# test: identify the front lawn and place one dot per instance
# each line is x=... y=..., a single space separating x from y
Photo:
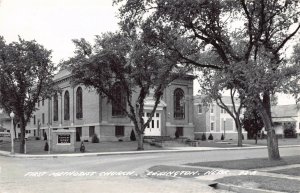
x=262 y=182
x=289 y=171
x=245 y=164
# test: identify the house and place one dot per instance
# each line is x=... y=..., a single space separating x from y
x=82 y=109
x=212 y=119
x=283 y=114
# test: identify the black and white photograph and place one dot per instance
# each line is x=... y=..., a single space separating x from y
x=149 y=96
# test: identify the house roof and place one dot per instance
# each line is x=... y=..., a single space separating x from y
x=285 y=111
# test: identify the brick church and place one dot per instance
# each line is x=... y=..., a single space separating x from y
x=84 y=110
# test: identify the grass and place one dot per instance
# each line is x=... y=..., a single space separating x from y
x=263 y=182
x=245 y=164
x=289 y=171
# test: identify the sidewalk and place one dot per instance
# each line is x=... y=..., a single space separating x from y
x=169 y=150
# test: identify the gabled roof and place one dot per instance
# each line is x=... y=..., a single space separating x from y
x=285 y=110
x=63 y=73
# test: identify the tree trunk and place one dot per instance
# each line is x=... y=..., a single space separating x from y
x=272 y=141
x=239 y=130
x=140 y=142
x=22 y=139
x=273 y=150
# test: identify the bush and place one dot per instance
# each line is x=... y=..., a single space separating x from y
x=37 y=138
x=203 y=138
x=222 y=137
x=120 y=140
x=243 y=137
x=210 y=137
x=289 y=130
x=132 y=136
x=46 y=147
x=95 y=139
x=86 y=140
x=82 y=147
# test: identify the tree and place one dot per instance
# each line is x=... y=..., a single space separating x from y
x=247 y=36
x=252 y=123
x=25 y=77
x=213 y=84
x=124 y=60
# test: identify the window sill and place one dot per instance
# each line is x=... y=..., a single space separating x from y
x=118 y=116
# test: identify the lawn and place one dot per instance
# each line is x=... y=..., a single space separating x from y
x=289 y=171
x=247 y=164
x=263 y=182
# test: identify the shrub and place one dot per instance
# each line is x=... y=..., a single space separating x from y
x=132 y=136
x=222 y=137
x=203 y=138
x=45 y=136
x=243 y=137
x=37 y=138
x=95 y=139
x=289 y=130
x=210 y=137
x=120 y=140
x=46 y=147
x=86 y=140
x=82 y=147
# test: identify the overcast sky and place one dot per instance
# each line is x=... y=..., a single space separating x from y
x=54 y=23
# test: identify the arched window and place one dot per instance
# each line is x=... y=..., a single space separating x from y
x=67 y=106
x=55 y=107
x=79 y=103
x=178 y=104
x=120 y=100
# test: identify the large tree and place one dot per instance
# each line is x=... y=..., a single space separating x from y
x=213 y=85
x=249 y=38
x=123 y=58
x=25 y=78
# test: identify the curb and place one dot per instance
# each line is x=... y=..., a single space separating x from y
x=235 y=188
x=17 y=155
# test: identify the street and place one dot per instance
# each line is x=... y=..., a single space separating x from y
x=104 y=173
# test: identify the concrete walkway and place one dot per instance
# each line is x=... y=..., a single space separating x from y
x=170 y=150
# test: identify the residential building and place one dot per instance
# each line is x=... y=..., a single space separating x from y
x=212 y=119
x=282 y=114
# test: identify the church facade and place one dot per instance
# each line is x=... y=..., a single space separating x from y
x=82 y=109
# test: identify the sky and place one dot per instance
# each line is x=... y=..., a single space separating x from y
x=54 y=23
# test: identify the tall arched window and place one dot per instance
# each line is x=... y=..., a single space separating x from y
x=178 y=104
x=55 y=107
x=120 y=100
x=67 y=106
x=79 y=103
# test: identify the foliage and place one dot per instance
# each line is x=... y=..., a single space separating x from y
x=26 y=73
x=37 y=138
x=82 y=147
x=132 y=136
x=203 y=137
x=95 y=139
x=46 y=147
x=289 y=130
x=125 y=59
x=252 y=122
x=210 y=137
x=222 y=137
x=244 y=39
